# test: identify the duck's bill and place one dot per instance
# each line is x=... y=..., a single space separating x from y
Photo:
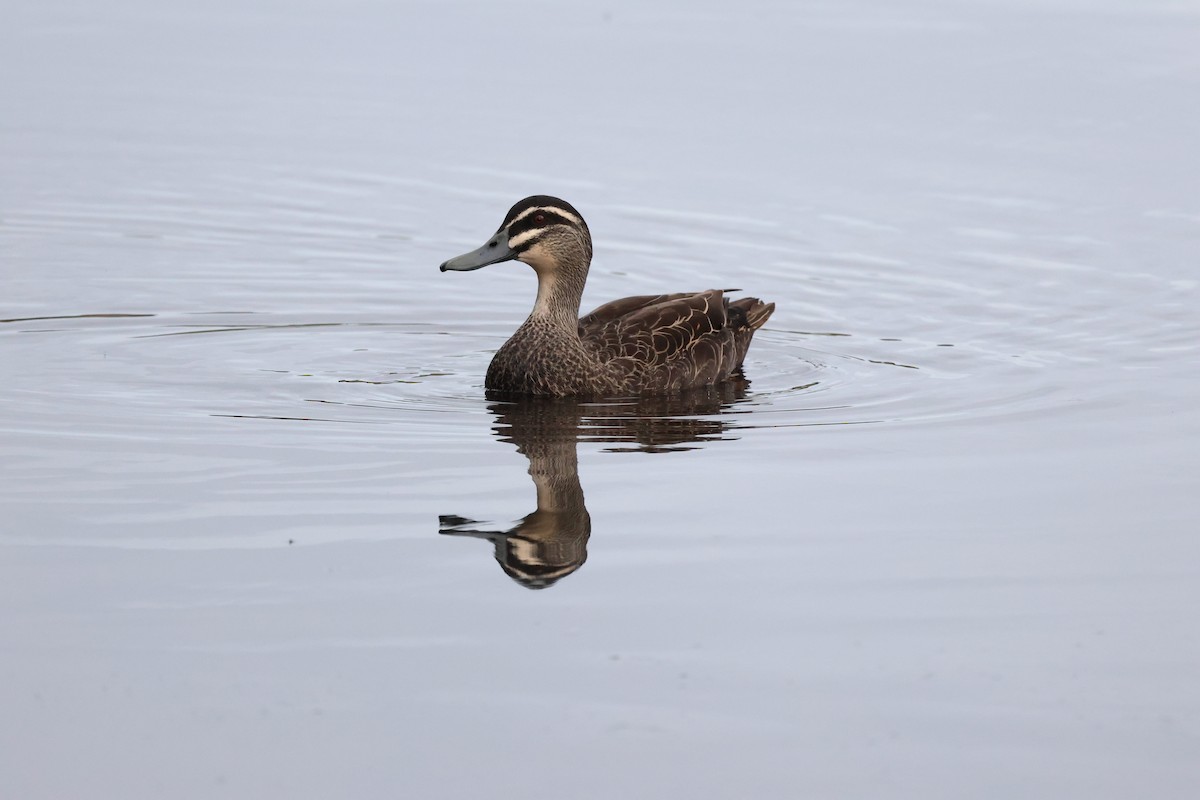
x=495 y=251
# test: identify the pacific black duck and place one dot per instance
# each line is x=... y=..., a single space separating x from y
x=646 y=344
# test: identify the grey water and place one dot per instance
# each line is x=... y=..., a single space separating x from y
x=263 y=533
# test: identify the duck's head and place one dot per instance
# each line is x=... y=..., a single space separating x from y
x=544 y=232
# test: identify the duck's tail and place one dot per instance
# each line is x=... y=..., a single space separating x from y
x=746 y=316
x=754 y=311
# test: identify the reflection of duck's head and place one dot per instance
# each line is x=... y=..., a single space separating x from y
x=551 y=542
x=542 y=548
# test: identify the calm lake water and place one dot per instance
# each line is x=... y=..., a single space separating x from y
x=262 y=534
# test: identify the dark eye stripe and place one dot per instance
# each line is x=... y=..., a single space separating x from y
x=531 y=222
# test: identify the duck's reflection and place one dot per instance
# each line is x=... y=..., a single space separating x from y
x=551 y=542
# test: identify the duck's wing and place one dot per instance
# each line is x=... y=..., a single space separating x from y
x=617 y=309
x=654 y=330
x=675 y=341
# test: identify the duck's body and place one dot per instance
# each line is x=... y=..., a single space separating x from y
x=646 y=344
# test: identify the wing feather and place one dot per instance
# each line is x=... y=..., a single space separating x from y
x=661 y=342
x=654 y=329
x=616 y=309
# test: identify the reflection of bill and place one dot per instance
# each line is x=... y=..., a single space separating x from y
x=551 y=542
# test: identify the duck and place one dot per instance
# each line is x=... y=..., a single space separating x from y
x=648 y=344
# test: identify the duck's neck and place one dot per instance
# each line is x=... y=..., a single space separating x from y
x=560 y=289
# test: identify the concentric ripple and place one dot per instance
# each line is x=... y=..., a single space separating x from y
x=264 y=368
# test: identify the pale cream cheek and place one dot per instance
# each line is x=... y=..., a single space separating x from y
x=521 y=238
x=538 y=258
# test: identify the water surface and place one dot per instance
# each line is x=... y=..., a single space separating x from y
x=263 y=533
